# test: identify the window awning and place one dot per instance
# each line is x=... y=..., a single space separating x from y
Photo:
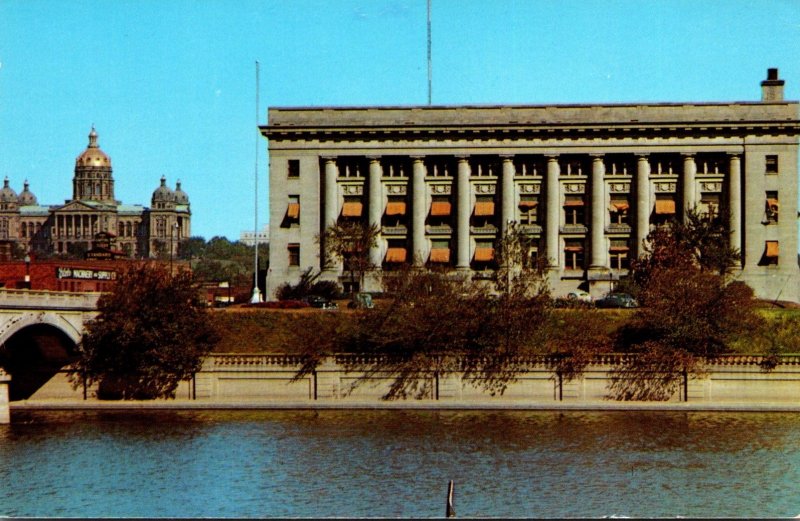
x=484 y=208
x=665 y=207
x=396 y=208
x=574 y=202
x=352 y=209
x=619 y=206
x=396 y=255
x=440 y=255
x=528 y=204
x=772 y=249
x=774 y=205
x=440 y=208
x=484 y=254
x=573 y=248
x=618 y=249
x=293 y=211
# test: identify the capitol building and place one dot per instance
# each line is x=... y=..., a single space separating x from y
x=93 y=220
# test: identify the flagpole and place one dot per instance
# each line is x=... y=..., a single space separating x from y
x=256 y=298
x=430 y=71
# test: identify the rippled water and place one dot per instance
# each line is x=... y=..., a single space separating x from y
x=397 y=464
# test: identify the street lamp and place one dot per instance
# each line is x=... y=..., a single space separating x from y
x=27 y=271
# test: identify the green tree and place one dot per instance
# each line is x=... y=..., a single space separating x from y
x=151 y=332
x=349 y=242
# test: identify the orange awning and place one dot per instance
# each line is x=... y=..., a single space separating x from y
x=484 y=254
x=484 y=208
x=293 y=211
x=528 y=204
x=665 y=207
x=440 y=255
x=396 y=255
x=618 y=249
x=619 y=206
x=574 y=248
x=772 y=249
x=352 y=209
x=396 y=208
x=773 y=204
x=573 y=202
x=440 y=208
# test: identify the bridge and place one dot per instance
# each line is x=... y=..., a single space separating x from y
x=39 y=334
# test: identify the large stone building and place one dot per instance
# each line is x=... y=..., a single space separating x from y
x=93 y=216
x=587 y=182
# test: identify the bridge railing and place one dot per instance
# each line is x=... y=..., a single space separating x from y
x=37 y=299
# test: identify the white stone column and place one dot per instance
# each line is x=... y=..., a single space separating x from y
x=598 y=213
x=689 y=173
x=5 y=411
x=330 y=205
x=507 y=194
x=735 y=203
x=419 y=210
x=553 y=211
x=642 y=203
x=375 y=206
x=463 y=209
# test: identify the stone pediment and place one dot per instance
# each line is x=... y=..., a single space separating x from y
x=83 y=207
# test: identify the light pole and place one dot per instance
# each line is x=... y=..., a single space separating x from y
x=27 y=271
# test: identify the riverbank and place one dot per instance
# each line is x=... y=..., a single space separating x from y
x=518 y=405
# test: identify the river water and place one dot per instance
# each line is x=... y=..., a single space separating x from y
x=397 y=463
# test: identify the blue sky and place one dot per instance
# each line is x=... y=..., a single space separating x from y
x=170 y=84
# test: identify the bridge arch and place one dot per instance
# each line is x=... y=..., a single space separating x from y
x=34 y=347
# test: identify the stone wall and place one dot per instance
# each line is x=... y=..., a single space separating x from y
x=254 y=379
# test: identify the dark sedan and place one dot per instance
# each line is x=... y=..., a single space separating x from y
x=617 y=300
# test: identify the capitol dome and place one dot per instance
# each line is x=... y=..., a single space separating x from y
x=163 y=194
x=180 y=196
x=7 y=194
x=93 y=156
x=26 y=197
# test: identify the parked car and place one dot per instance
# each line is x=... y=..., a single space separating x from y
x=617 y=300
x=361 y=301
x=316 y=301
x=579 y=295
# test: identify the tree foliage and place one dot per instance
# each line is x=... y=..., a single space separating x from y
x=692 y=310
x=349 y=242
x=308 y=285
x=151 y=332
x=222 y=260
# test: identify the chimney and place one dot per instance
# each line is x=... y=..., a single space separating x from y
x=772 y=87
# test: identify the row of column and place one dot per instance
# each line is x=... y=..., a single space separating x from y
x=68 y=225
x=597 y=196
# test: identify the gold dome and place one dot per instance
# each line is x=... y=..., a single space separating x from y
x=93 y=156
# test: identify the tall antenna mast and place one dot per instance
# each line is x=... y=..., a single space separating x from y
x=256 y=292
x=430 y=73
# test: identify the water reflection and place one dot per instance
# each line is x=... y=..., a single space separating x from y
x=397 y=463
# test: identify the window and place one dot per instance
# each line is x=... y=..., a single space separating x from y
x=770 y=257
x=618 y=210
x=617 y=165
x=574 y=211
x=294 y=168
x=665 y=209
x=440 y=251
x=618 y=254
x=292 y=217
x=573 y=167
x=352 y=207
x=395 y=212
x=528 y=209
x=352 y=167
x=573 y=254
x=484 y=252
x=483 y=212
x=709 y=205
x=294 y=254
x=396 y=253
x=772 y=208
x=772 y=165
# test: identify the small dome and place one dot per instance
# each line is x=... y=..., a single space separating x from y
x=7 y=194
x=26 y=197
x=180 y=195
x=93 y=156
x=163 y=194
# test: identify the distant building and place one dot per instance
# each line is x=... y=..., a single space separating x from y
x=250 y=238
x=586 y=182
x=93 y=219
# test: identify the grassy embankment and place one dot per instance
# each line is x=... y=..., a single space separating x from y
x=264 y=330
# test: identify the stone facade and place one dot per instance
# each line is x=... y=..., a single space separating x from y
x=137 y=231
x=588 y=182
